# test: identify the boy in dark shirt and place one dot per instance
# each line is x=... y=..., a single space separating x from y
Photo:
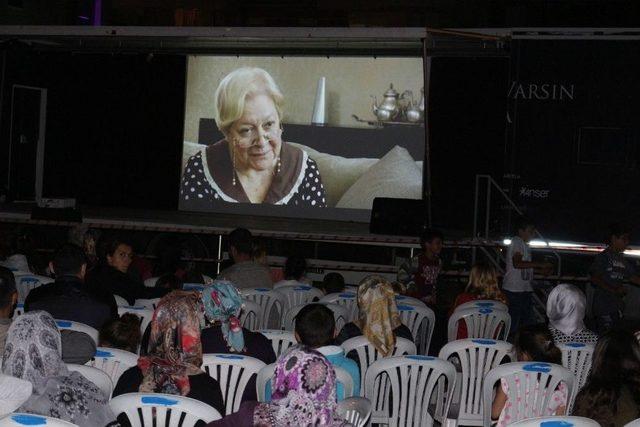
x=420 y=274
x=609 y=271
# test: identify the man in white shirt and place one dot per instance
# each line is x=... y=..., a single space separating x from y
x=519 y=274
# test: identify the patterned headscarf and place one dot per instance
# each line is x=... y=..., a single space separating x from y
x=33 y=352
x=222 y=303
x=566 y=308
x=175 y=349
x=304 y=392
x=378 y=313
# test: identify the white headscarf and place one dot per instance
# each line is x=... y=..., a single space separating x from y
x=566 y=307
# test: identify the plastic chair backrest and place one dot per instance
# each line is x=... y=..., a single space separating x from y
x=96 y=376
x=477 y=357
x=149 y=304
x=634 y=423
x=536 y=380
x=564 y=421
x=347 y=299
x=367 y=353
x=80 y=327
x=577 y=358
x=421 y=321
x=400 y=389
x=280 y=340
x=266 y=373
x=151 y=282
x=481 y=323
x=484 y=303
x=20 y=419
x=166 y=410
x=340 y=314
x=355 y=410
x=18 y=310
x=233 y=372
x=407 y=300
x=299 y=295
x=25 y=282
x=120 y=301
x=143 y=313
x=251 y=315
x=271 y=303
x=113 y=361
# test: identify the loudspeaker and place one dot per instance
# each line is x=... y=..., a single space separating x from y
x=400 y=217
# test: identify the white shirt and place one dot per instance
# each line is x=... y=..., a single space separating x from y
x=518 y=280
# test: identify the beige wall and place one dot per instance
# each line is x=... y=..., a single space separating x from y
x=350 y=81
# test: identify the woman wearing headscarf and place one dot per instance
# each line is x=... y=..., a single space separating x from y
x=33 y=352
x=378 y=317
x=222 y=308
x=566 y=307
x=304 y=394
x=172 y=364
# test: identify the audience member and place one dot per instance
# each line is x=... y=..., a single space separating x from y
x=483 y=284
x=57 y=392
x=304 y=394
x=168 y=254
x=222 y=306
x=8 y=301
x=519 y=274
x=111 y=275
x=420 y=274
x=173 y=362
x=608 y=273
x=86 y=238
x=534 y=343
x=259 y=255
x=611 y=395
x=169 y=281
x=122 y=333
x=22 y=255
x=68 y=297
x=566 y=308
x=13 y=393
x=378 y=317
x=315 y=327
x=294 y=270
x=332 y=283
x=245 y=272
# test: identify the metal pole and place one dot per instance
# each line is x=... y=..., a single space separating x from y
x=219 y=262
x=475 y=219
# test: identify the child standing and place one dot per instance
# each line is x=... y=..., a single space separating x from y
x=420 y=274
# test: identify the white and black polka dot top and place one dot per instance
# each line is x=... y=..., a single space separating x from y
x=208 y=175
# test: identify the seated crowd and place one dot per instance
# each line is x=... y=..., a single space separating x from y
x=36 y=376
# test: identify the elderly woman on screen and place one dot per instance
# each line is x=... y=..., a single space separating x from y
x=252 y=164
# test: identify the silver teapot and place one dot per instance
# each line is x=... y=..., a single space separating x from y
x=388 y=109
x=412 y=111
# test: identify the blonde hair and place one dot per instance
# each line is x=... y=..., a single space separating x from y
x=236 y=87
x=483 y=281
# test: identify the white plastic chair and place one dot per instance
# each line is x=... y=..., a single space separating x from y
x=481 y=323
x=476 y=358
x=80 y=327
x=484 y=303
x=120 y=301
x=634 y=423
x=355 y=410
x=407 y=300
x=113 y=361
x=233 y=372
x=199 y=287
x=144 y=314
x=400 y=389
x=367 y=353
x=271 y=303
x=280 y=340
x=266 y=373
x=577 y=358
x=25 y=282
x=564 y=421
x=149 y=304
x=251 y=315
x=159 y=409
x=536 y=380
x=96 y=376
x=18 y=310
x=421 y=321
x=299 y=295
x=340 y=314
x=20 y=419
x=151 y=282
x=347 y=299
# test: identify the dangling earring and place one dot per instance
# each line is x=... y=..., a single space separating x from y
x=233 y=162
